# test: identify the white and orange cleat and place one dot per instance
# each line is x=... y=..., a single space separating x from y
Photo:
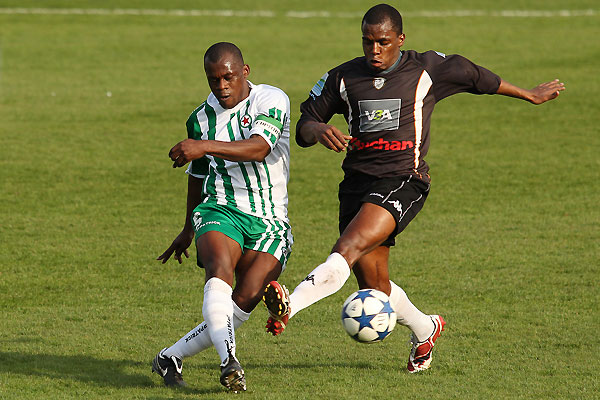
x=420 y=354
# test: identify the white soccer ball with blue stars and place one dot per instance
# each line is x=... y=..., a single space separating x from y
x=367 y=316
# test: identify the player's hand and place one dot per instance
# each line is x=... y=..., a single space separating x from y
x=331 y=137
x=546 y=91
x=179 y=247
x=186 y=151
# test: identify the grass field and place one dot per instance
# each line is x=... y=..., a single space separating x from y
x=506 y=248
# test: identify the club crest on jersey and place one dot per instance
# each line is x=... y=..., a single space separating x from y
x=378 y=82
x=246 y=121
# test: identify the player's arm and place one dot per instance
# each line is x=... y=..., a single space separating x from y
x=538 y=95
x=310 y=132
x=185 y=238
x=254 y=148
x=323 y=102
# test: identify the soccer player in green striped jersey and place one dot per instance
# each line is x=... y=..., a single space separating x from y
x=238 y=149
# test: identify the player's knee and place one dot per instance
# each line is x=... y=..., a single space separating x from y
x=218 y=269
x=244 y=300
x=349 y=248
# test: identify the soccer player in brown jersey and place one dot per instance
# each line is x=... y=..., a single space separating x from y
x=387 y=98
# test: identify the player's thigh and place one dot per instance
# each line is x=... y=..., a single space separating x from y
x=218 y=254
x=253 y=272
x=372 y=272
x=367 y=230
x=219 y=240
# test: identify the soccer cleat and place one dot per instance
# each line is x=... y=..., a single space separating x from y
x=169 y=368
x=420 y=354
x=232 y=375
x=277 y=300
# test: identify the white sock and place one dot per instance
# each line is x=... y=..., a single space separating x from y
x=409 y=315
x=217 y=310
x=198 y=339
x=323 y=281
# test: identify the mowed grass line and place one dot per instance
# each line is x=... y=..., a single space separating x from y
x=506 y=247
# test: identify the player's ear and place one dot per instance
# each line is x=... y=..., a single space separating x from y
x=401 y=38
x=246 y=70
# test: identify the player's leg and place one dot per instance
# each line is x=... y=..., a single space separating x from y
x=372 y=272
x=368 y=229
x=219 y=254
x=198 y=339
x=252 y=274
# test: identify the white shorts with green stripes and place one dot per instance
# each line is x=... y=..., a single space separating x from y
x=271 y=236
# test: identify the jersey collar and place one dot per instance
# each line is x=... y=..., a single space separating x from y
x=394 y=66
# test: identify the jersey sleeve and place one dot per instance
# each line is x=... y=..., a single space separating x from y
x=272 y=115
x=323 y=102
x=455 y=74
x=197 y=168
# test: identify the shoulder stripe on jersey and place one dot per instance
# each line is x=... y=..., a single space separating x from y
x=422 y=89
x=197 y=167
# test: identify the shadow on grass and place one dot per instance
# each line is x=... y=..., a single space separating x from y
x=86 y=369
x=118 y=373
x=77 y=367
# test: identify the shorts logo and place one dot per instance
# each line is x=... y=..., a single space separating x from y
x=208 y=223
x=246 y=121
x=396 y=205
x=379 y=115
x=197 y=220
x=378 y=82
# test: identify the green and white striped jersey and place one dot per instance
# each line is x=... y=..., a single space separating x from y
x=255 y=188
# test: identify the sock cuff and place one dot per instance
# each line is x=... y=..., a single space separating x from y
x=218 y=285
x=337 y=260
x=239 y=313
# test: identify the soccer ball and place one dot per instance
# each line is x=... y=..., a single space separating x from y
x=367 y=316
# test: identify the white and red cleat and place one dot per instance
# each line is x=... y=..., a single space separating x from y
x=420 y=354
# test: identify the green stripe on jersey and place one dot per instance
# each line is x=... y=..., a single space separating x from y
x=241 y=165
x=221 y=169
x=260 y=188
x=270 y=187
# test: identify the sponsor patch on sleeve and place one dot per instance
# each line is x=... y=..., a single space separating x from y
x=318 y=88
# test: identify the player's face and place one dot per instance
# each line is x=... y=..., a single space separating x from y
x=227 y=80
x=381 y=45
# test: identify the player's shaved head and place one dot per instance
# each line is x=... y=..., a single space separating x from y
x=381 y=13
x=218 y=51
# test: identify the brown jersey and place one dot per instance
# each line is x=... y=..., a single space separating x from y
x=389 y=113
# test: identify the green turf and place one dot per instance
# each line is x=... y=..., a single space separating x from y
x=506 y=247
